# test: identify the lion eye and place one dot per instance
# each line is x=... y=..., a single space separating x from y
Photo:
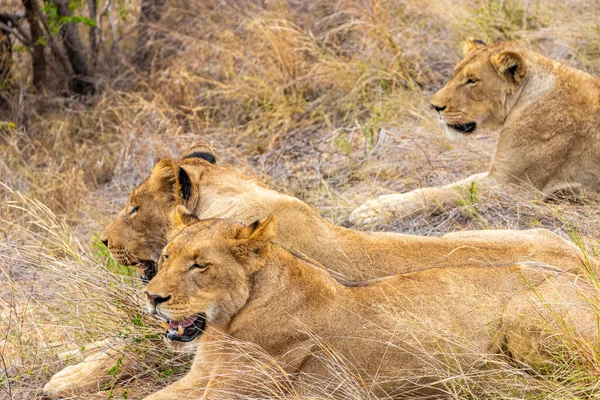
x=133 y=210
x=471 y=81
x=201 y=267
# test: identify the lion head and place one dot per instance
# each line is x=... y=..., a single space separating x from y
x=139 y=232
x=205 y=272
x=483 y=86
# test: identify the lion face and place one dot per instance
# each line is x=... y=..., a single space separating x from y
x=205 y=274
x=482 y=88
x=139 y=232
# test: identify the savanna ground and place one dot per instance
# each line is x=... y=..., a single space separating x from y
x=324 y=100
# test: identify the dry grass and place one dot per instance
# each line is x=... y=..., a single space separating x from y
x=325 y=100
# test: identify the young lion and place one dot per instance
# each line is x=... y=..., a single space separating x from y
x=549 y=120
x=240 y=287
x=138 y=233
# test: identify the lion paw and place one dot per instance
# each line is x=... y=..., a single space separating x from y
x=385 y=208
x=89 y=376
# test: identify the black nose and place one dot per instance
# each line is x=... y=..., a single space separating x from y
x=438 y=108
x=156 y=300
x=105 y=242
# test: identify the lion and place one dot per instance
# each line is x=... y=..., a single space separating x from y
x=139 y=232
x=548 y=117
x=236 y=285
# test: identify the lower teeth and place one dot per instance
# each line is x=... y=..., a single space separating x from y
x=180 y=330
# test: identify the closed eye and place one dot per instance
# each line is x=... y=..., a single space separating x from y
x=200 y=267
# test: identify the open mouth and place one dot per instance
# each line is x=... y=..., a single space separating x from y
x=464 y=128
x=147 y=270
x=186 y=330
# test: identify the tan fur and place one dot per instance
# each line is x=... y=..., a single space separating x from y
x=548 y=116
x=221 y=192
x=91 y=374
x=388 y=332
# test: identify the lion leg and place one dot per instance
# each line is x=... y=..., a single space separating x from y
x=562 y=190
x=551 y=323
x=424 y=200
x=90 y=375
x=192 y=386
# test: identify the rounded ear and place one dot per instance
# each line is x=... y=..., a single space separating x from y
x=162 y=178
x=171 y=179
x=182 y=217
x=511 y=65
x=472 y=45
x=256 y=236
x=204 y=155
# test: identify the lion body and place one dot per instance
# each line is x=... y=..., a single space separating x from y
x=393 y=335
x=548 y=117
x=221 y=192
x=550 y=138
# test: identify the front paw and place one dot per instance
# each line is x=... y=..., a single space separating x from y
x=385 y=209
x=89 y=376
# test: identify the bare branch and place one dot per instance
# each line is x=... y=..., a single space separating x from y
x=82 y=81
x=15 y=27
x=55 y=48
x=25 y=40
x=38 y=58
x=92 y=8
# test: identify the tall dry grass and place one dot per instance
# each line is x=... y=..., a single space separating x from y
x=62 y=297
x=325 y=100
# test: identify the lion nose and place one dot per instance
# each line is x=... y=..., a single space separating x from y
x=438 y=108
x=156 y=300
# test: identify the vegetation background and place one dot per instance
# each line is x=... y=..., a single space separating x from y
x=326 y=100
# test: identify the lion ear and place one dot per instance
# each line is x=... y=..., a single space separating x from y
x=203 y=155
x=183 y=185
x=256 y=236
x=167 y=177
x=472 y=45
x=511 y=65
x=162 y=178
x=182 y=217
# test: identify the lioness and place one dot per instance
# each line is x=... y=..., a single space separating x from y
x=139 y=232
x=234 y=280
x=549 y=120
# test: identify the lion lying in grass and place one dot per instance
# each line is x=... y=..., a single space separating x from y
x=239 y=286
x=549 y=120
x=139 y=232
